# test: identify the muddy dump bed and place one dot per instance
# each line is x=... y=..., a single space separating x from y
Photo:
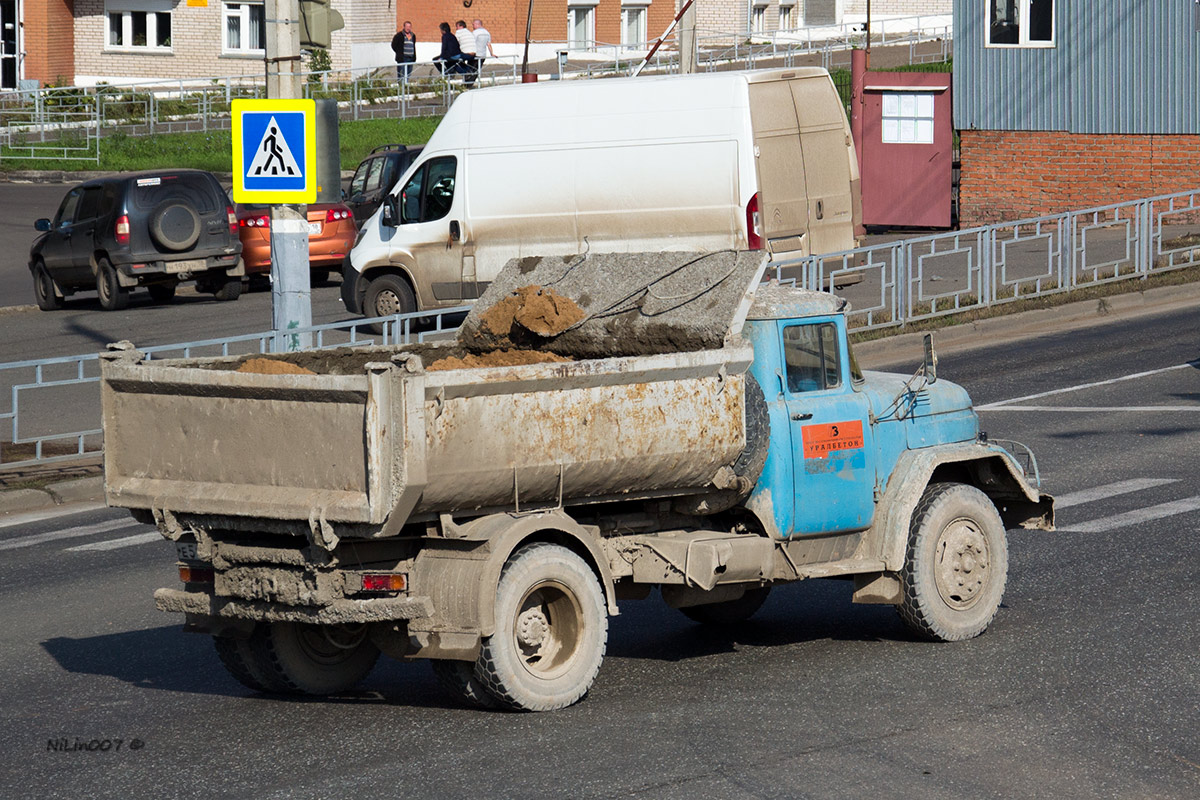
x=382 y=436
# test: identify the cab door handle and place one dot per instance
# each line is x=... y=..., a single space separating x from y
x=799 y=415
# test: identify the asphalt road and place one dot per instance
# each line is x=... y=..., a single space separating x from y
x=1084 y=687
x=20 y=205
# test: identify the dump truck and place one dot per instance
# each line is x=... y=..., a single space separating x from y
x=601 y=427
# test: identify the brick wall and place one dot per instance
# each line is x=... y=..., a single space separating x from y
x=910 y=8
x=505 y=19
x=49 y=41
x=1009 y=175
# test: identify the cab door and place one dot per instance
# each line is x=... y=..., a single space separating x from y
x=430 y=235
x=832 y=452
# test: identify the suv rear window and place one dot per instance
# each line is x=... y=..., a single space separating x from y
x=148 y=192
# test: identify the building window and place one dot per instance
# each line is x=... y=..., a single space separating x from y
x=581 y=26
x=758 y=19
x=1020 y=23
x=139 y=25
x=633 y=25
x=244 y=28
x=787 y=17
x=907 y=118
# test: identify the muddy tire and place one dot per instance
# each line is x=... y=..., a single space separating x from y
x=729 y=612
x=956 y=566
x=113 y=296
x=298 y=658
x=458 y=679
x=387 y=295
x=44 y=289
x=551 y=631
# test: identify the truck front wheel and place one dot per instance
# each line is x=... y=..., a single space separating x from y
x=551 y=630
x=957 y=564
x=298 y=658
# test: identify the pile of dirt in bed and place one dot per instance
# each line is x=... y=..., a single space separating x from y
x=496 y=358
x=273 y=366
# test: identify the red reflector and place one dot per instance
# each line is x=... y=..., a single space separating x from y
x=233 y=220
x=195 y=575
x=753 y=225
x=386 y=582
x=122 y=229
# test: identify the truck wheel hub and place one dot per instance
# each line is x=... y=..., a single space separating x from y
x=532 y=628
x=961 y=564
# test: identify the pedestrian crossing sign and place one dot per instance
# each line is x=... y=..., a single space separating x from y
x=274 y=151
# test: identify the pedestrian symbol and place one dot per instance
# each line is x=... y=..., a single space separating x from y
x=274 y=152
x=273 y=156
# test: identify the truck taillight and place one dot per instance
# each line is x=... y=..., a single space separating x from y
x=335 y=214
x=195 y=574
x=233 y=220
x=385 y=582
x=753 y=224
x=122 y=231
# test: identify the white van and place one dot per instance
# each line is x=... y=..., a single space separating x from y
x=715 y=161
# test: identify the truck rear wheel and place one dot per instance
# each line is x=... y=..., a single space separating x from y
x=957 y=564
x=242 y=662
x=312 y=659
x=551 y=630
x=458 y=678
x=729 y=612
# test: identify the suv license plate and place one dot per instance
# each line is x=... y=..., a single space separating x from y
x=189 y=265
x=314 y=229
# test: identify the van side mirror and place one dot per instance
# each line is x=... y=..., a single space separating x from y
x=42 y=224
x=929 y=367
x=390 y=211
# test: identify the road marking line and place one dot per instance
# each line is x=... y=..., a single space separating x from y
x=1109 y=490
x=67 y=533
x=1136 y=516
x=1088 y=408
x=991 y=406
x=113 y=544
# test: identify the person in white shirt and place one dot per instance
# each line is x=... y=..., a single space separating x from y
x=466 y=43
x=483 y=44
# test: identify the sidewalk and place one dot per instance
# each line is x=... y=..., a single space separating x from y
x=61 y=484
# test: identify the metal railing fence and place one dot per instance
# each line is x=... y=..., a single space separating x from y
x=889 y=285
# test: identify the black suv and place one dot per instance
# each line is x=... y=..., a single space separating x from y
x=376 y=176
x=151 y=229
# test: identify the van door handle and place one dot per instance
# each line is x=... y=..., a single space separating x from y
x=455 y=231
x=799 y=415
x=820 y=210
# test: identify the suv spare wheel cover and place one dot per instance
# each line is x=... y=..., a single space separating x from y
x=175 y=225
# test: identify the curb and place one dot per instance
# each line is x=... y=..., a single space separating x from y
x=17 y=500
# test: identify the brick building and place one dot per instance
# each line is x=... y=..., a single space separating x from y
x=1065 y=105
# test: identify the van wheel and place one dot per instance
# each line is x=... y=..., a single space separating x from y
x=230 y=289
x=113 y=296
x=551 y=630
x=299 y=658
x=161 y=292
x=458 y=679
x=387 y=295
x=957 y=564
x=729 y=612
x=44 y=289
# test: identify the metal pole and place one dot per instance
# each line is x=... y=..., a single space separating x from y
x=291 y=290
x=528 y=31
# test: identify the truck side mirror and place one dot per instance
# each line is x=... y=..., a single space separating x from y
x=391 y=213
x=929 y=368
x=42 y=224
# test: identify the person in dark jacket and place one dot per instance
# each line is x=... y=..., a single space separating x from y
x=404 y=45
x=450 y=60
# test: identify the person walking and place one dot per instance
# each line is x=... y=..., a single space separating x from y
x=483 y=44
x=404 y=45
x=466 y=43
x=450 y=59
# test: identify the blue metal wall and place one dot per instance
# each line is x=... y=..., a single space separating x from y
x=1118 y=66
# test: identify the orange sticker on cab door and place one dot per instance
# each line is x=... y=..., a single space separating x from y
x=821 y=440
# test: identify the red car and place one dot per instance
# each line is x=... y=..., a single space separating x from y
x=331 y=234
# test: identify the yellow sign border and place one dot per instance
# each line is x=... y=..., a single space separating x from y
x=258 y=106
